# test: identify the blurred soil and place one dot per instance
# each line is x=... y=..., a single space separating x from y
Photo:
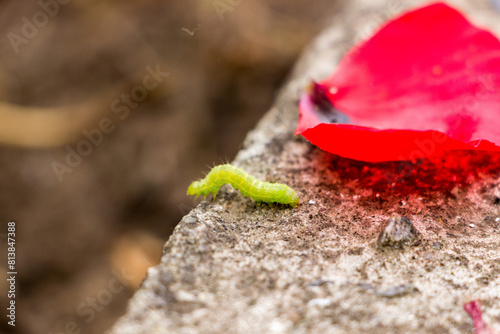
x=85 y=242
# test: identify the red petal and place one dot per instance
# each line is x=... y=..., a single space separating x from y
x=474 y=310
x=427 y=82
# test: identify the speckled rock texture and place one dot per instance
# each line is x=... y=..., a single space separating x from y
x=232 y=266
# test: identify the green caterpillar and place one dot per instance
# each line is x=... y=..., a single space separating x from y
x=259 y=191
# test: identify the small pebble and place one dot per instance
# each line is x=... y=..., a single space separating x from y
x=398 y=232
x=397 y=291
x=319 y=282
x=497 y=219
x=190 y=220
x=311 y=202
x=218 y=208
x=321 y=302
x=472 y=225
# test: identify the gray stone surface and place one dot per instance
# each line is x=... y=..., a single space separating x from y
x=234 y=267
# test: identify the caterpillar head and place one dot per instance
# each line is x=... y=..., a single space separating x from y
x=194 y=188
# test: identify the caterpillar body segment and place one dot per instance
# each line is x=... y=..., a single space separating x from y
x=259 y=191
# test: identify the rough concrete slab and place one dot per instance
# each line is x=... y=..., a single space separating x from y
x=232 y=266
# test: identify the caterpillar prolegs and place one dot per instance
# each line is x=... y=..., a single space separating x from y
x=249 y=186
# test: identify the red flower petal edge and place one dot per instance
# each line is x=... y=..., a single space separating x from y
x=425 y=83
x=474 y=310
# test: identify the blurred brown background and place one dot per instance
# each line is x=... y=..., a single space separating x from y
x=87 y=231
